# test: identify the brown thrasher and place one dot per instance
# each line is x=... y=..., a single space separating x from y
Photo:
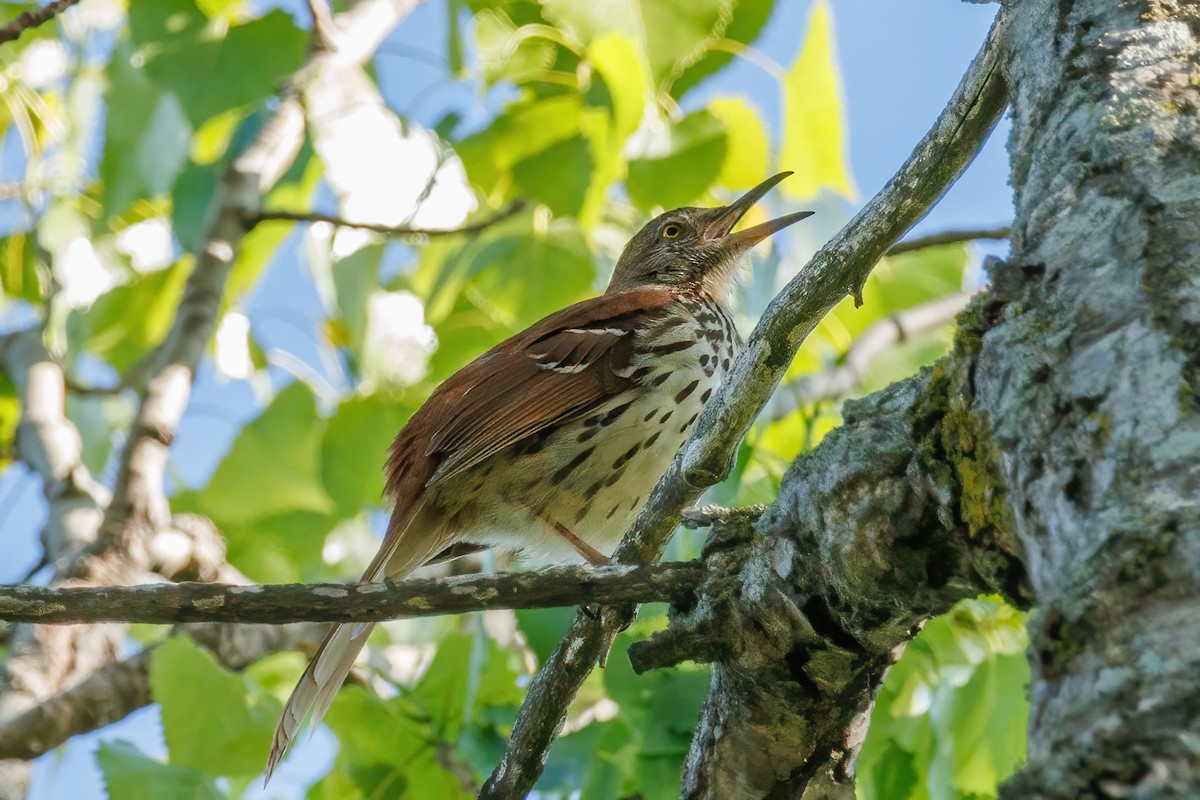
x=550 y=442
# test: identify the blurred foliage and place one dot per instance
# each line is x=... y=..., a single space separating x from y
x=124 y=116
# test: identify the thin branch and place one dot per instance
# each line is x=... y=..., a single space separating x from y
x=511 y=210
x=847 y=376
x=32 y=19
x=324 y=29
x=172 y=603
x=837 y=269
x=949 y=237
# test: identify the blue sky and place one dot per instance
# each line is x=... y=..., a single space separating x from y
x=900 y=62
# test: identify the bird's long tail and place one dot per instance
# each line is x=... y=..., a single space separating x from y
x=340 y=648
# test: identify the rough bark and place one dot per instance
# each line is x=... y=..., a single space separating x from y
x=1063 y=430
x=892 y=519
x=1089 y=379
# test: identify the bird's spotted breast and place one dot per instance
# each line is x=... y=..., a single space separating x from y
x=593 y=474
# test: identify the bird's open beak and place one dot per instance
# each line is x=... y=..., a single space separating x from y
x=719 y=228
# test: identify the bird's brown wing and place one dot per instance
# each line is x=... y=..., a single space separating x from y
x=559 y=369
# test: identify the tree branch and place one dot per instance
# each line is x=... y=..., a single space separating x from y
x=949 y=237
x=511 y=210
x=367 y=602
x=837 y=269
x=33 y=18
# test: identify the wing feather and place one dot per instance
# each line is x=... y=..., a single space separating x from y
x=559 y=369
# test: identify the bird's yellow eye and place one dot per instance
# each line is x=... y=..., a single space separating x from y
x=672 y=231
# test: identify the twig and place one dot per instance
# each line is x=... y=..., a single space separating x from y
x=323 y=27
x=949 y=237
x=837 y=269
x=171 y=603
x=848 y=375
x=32 y=19
x=390 y=230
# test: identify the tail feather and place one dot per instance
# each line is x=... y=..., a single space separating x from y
x=339 y=649
x=318 y=685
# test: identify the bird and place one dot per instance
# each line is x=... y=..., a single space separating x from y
x=549 y=443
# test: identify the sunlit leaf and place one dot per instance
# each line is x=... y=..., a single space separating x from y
x=147 y=136
x=211 y=720
x=814 y=139
x=129 y=774
x=524 y=129
x=19 y=272
x=507 y=54
x=109 y=331
x=273 y=466
x=354 y=449
x=748 y=151
x=678 y=178
x=616 y=97
x=10 y=415
x=672 y=34
x=949 y=721
x=747 y=21
x=208 y=73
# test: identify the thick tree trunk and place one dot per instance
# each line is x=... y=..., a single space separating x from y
x=1089 y=379
x=1063 y=431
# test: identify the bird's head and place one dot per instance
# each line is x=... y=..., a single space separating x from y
x=693 y=249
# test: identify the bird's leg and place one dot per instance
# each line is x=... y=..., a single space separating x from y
x=596 y=559
x=589 y=553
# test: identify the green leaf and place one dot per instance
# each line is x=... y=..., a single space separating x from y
x=445 y=692
x=695 y=158
x=492 y=286
x=748 y=152
x=129 y=774
x=747 y=22
x=10 y=415
x=660 y=708
x=273 y=465
x=208 y=73
x=358 y=718
x=615 y=96
x=20 y=275
x=354 y=448
x=147 y=136
x=613 y=763
x=526 y=128
x=949 y=721
x=671 y=34
x=507 y=53
x=355 y=279
x=282 y=548
x=814 y=141
x=191 y=200
x=213 y=720
x=107 y=329
x=544 y=628
x=558 y=177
